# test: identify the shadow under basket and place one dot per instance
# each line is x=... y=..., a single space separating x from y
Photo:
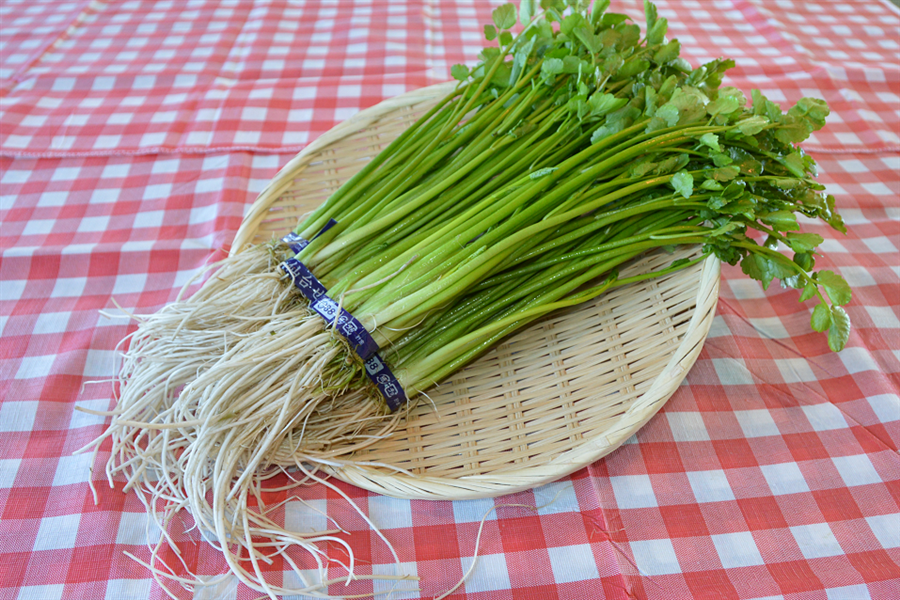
x=546 y=402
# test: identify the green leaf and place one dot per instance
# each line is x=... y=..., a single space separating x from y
x=460 y=72
x=504 y=16
x=781 y=220
x=711 y=140
x=613 y=19
x=552 y=66
x=804 y=242
x=667 y=53
x=690 y=104
x=632 y=68
x=725 y=173
x=753 y=266
x=490 y=33
x=590 y=41
x=811 y=111
x=722 y=160
x=683 y=182
x=805 y=260
x=603 y=103
x=711 y=185
x=809 y=291
x=656 y=27
x=526 y=11
x=835 y=286
x=650 y=14
x=821 y=318
x=752 y=125
x=729 y=101
x=669 y=114
x=600 y=7
x=506 y=38
x=570 y=23
x=840 y=329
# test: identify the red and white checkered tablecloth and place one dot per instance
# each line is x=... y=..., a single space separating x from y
x=133 y=136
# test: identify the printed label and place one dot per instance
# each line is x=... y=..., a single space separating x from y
x=304 y=280
x=387 y=384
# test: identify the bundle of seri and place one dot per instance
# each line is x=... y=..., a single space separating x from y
x=573 y=147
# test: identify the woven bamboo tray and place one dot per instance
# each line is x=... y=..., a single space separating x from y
x=544 y=403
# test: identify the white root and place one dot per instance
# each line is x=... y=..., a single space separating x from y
x=220 y=393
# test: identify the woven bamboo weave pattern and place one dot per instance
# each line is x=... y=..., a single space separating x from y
x=553 y=398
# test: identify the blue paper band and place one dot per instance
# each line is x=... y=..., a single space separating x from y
x=387 y=384
x=304 y=280
x=297 y=243
x=347 y=326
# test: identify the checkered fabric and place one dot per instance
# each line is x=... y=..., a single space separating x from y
x=136 y=133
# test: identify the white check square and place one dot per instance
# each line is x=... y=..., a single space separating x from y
x=573 y=563
x=655 y=557
x=56 y=533
x=633 y=491
x=756 y=423
x=737 y=550
x=856 y=470
x=710 y=486
x=784 y=478
x=824 y=417
x=816 y=541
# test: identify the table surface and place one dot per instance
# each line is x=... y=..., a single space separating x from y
x=136 y=134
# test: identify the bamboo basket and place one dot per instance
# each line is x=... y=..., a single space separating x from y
x=546 y=402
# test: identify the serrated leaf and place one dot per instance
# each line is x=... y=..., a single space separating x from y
x=506 y=38
x=840 y=329
x=711 y=140
x=835 y=286
x=490 y=33
x=711 y=185
x=811 y=111
x=821 y=318
x=504 y=16
x=804 y=242
x=460 y=72
x=683 y=182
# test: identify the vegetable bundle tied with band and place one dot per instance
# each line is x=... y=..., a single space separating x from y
x=571 y=148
